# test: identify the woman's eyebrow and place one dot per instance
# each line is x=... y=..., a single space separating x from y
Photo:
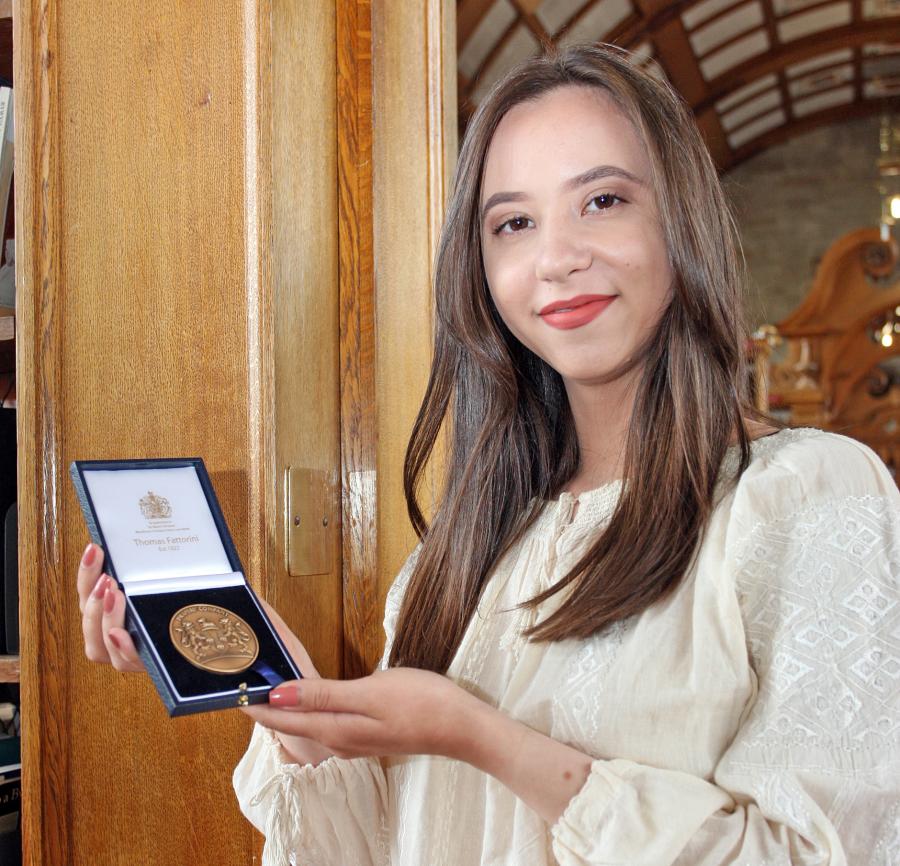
x=501 y=198
x=598 y=172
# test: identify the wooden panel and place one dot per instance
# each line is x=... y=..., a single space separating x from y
x=357 y=335
x=414 y=152
x=307 y=407
x=402 y=56
x=143 y=322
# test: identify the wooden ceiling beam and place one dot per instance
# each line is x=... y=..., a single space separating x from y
x=462 y=83
x=711 y=129
x=469 y=14
x=836 y=114
x=656 y=14
x=674 y=53
x=787 y=54
x=772 y=30
x=789 y=107
x=660 y=10
x=822 y=70
x=489 y=59
x=825 y=70
x=741 y=102
x=576 y=17
x=532 y=22
x=754 y=117
x=727 y=43
x=769 y=24
x=628 y=33
x=727 y=11
x=659 y=21
x=803 y=10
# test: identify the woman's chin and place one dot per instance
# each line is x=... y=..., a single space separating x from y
x=592 y=375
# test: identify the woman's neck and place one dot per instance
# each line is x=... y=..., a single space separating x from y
x=601 y=415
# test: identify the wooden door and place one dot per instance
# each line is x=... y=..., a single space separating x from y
x=144 y=328
x=215 y=255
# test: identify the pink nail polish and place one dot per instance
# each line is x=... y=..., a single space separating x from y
x=89 y=555
x=114 y=641
x=284 y=696
x=109 y=600
x=100 y=586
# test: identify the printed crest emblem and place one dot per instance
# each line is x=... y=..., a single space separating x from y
x=155 y=507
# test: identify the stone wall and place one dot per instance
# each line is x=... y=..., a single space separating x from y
x=793 y=201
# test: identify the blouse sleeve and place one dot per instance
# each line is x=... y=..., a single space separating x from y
x=813 y=775
x=330 y=813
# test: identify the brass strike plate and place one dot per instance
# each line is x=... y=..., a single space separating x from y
x=310 y=521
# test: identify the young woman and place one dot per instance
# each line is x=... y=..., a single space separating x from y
x=640 y=628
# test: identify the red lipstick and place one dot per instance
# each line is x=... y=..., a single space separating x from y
x=575 y=312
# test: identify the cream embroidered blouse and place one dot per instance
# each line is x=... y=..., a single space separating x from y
x=751 y=719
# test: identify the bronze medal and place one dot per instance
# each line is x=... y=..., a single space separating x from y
x=213 y=638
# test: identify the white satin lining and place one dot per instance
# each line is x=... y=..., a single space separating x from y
x=151 y=586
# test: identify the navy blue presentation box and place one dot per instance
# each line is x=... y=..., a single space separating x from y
x=198 y=626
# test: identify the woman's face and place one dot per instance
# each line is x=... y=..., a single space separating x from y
x=573 y=248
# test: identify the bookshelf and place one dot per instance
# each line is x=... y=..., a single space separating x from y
x=10 y=850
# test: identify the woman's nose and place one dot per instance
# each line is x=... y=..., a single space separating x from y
x=560 y=253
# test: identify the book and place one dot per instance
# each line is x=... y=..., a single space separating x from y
x=7 y=163
x=7 y=147
x=10 y=784
x=10 y=798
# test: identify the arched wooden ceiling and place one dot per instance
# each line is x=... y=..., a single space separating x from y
x=755 y=72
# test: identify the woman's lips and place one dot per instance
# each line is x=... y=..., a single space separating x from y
x=575 y=312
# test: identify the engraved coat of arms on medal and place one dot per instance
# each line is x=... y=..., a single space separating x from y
x=213 y=638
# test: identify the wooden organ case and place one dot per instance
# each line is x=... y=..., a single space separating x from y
x=834 y=363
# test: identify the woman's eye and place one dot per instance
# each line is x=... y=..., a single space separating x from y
x=511 y=226
x=604 y=201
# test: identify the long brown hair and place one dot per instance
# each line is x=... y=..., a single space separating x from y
x=511 y=436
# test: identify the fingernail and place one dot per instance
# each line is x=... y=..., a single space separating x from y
x=284 y=696
x=114 y=641
x=89 y=555
x=109 y=600
x=100 y=586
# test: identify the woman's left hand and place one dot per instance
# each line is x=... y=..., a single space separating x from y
x=400 y=711
x=406 y=711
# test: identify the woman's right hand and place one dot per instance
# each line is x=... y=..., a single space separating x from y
x=106 y=641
